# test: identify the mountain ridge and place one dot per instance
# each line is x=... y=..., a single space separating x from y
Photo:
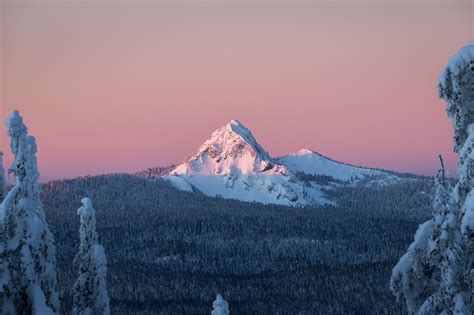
x=232 y=164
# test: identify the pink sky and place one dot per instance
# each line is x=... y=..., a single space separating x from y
x=111 y=87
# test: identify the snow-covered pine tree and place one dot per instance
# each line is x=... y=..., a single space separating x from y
x=2 y=178
x=29 y=254
x=4 y=275
x=436 y=274
x=3 y=266
x=220 y=306
x=414 y=277
x=90 y=288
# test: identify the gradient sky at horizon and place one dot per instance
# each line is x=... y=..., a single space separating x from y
x=121 y=86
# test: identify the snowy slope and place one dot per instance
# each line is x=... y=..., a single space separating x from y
x=179 y=182
x=231 y=164
x=268 y=189
x=310 y=162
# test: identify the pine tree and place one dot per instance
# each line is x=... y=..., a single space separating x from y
x=29 y=255
x=220 y=306
x=4 y=276
x=2 y=178
x=436 y=274
x=7 y=307
x=90 y=288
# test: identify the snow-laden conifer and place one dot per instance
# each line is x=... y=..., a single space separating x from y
x=435 y=276
x=90 y=288
x=28 y=259
x=2 y=178
x=220 y=306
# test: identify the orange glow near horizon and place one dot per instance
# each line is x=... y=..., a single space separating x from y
x=119 y=87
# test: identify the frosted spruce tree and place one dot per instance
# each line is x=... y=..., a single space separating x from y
x=436 y=275
x=90 y=288
x=4 y=276
x=28 y=259
x=2 y=178
x=220 y=306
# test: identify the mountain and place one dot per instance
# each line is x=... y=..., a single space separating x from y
x=231 y=149
x=232 y=164
x=313 y=163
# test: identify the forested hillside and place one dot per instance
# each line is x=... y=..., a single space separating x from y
x=171 y=251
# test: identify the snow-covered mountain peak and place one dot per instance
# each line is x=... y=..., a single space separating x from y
x=237 y=128
x=229 y=149
x=303 y=151
x=231 y=164
x=311 y=162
